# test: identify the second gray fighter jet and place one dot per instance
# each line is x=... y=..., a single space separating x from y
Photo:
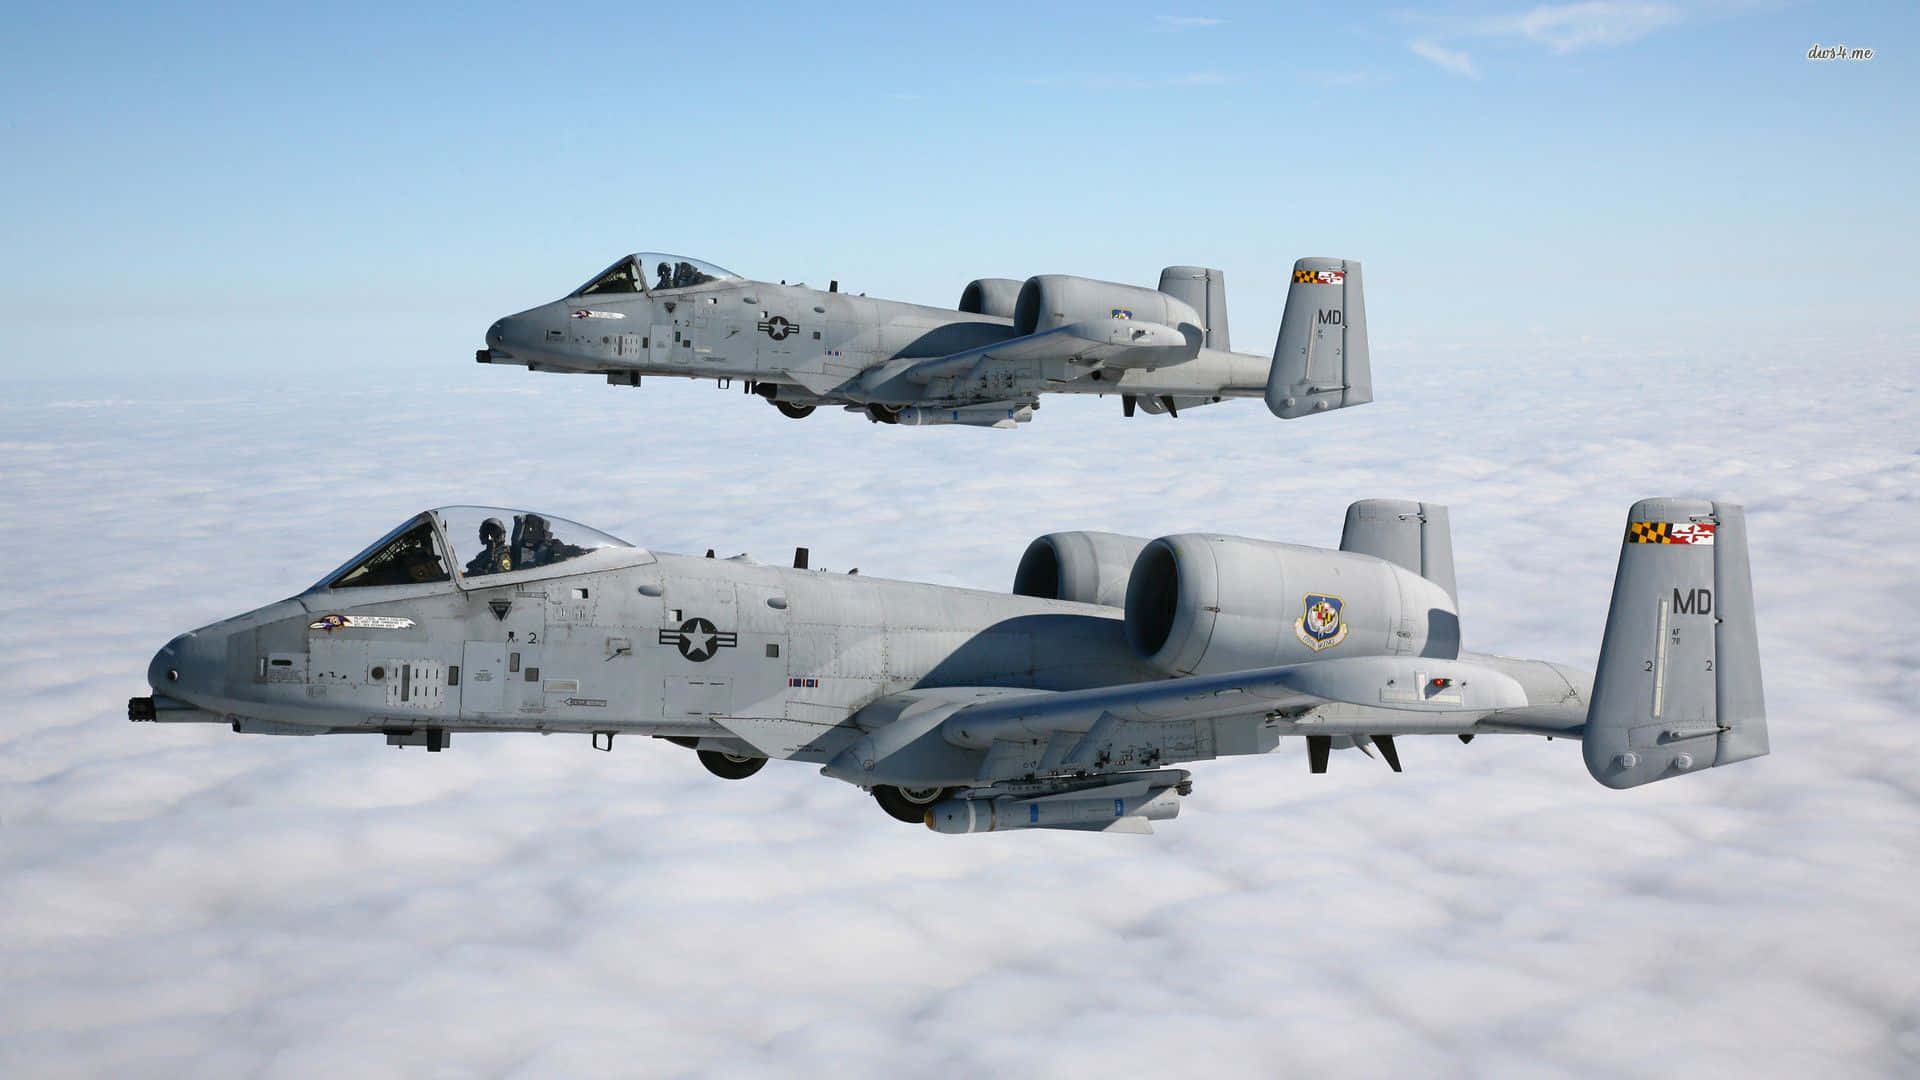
x=983 y=364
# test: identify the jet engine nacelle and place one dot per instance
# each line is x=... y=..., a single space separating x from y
x=1085 y=567
x=1053 y=300
x=994 y=296
x=1200 y=603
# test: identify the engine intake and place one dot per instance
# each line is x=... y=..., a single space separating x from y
x=994 y=296
x=1085 y=567
x=1200 y=603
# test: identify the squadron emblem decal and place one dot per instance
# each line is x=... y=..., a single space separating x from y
x=1320 y=625
x=777 y=328
x=697 y=639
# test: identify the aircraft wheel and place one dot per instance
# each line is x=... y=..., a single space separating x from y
x=907 y=804
x=792 y=411
x=730 y=766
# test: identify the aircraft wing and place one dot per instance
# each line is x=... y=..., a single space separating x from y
x=1111 y=343
x=1426 y=689
x=1369 y=698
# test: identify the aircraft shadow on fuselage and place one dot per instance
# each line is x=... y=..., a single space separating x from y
x=954 y=337
x=1046 y=652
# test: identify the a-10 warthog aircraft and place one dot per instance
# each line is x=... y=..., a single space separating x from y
x=1061 y=706
x=983 y=365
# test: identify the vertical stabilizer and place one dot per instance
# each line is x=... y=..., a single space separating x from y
x=1205 y=291
x=1320 y=361
x=1415 y=535
x=1677 y=688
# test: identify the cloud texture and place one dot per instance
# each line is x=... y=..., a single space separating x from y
x=1561 y=28
x=180 y=900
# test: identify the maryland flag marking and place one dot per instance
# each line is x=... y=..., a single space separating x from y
x=1319 y=277
x=1667 y=532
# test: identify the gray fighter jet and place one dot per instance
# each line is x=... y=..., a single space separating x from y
x=983 y=365
x=1061 y=706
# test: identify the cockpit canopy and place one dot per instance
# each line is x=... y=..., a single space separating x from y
x=651 y=272
x=470 y=542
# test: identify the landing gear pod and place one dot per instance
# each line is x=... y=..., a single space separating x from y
x=729 y=766
x=908 y=804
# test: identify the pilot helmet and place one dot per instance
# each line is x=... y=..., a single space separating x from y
x=492 y=531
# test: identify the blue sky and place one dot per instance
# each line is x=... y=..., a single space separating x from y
x=203 y=189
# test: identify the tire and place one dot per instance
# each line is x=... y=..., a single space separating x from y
x=792 y=411
x=907 y=804
x=730 y=766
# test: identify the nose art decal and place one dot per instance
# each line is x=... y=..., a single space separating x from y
x=330 y=623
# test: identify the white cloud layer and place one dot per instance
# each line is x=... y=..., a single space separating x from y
x=1562 y=28
x=1446 y=59
x=1187 y=22
x=184 y=901
x=1591 y=24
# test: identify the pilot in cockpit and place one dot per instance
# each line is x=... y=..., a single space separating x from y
x=494 y=557
x=535 y=545
x=666 y=277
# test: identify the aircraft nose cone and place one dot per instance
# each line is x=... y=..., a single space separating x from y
x=523 y=333
x=185 y=669
x=163 y=673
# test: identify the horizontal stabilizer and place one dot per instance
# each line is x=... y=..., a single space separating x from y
x=1677 y=688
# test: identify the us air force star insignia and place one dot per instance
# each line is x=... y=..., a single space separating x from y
x=698 y=640
x=777 y=327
